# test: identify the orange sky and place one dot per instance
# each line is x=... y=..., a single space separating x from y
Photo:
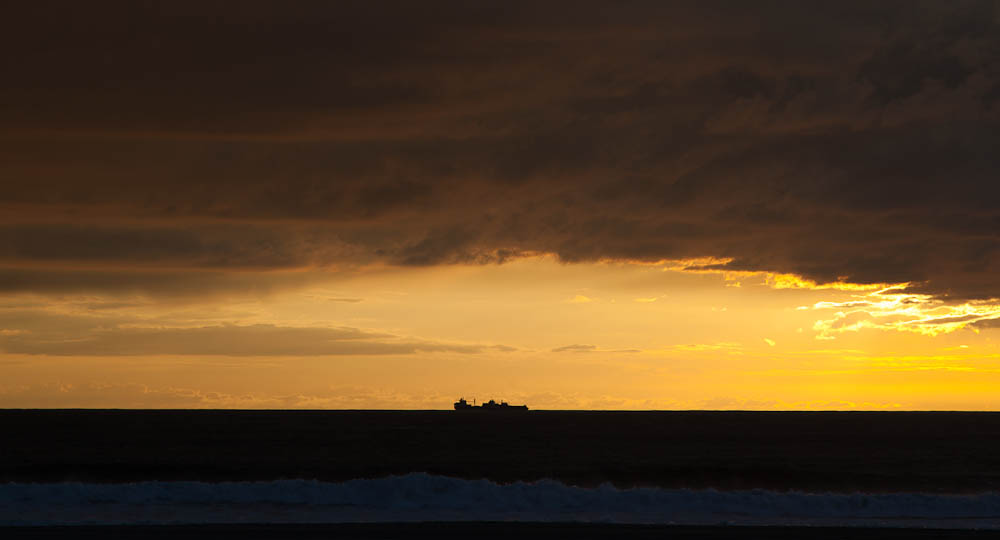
x=581 y=336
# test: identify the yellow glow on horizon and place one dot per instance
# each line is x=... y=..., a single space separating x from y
x=600 y=335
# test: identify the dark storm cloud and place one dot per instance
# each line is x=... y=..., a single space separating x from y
x=850 y=141
x=204 y=246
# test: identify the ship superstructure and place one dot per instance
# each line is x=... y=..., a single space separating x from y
x=491 y=405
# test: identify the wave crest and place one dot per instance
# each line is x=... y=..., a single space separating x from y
x=424 y=497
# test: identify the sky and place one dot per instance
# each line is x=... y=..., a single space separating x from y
x=573 y=205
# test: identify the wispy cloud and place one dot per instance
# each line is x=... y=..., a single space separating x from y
x=68 y=335
x=703 y=347
x=577 y=348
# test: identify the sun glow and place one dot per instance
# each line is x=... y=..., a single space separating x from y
x=533 y=330
x=888 y=310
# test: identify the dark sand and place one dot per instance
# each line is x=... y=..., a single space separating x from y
x=480 y=531
x=880 y=452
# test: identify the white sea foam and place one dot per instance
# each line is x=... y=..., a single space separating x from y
x=423 y=497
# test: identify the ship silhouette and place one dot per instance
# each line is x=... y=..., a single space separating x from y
x=462 y=405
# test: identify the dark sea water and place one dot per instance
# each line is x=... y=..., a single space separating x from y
x=895 y=470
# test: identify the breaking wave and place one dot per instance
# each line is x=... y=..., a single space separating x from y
x=424 y=497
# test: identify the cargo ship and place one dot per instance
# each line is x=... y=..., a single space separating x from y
x=462 y=405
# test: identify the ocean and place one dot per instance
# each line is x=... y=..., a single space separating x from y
x=83 y=469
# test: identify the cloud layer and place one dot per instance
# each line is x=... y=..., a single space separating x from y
x=840 y=142
x=41 y=332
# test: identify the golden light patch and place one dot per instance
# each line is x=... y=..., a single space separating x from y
x=887 y=310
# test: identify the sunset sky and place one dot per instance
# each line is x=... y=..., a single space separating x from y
x=572 y=205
